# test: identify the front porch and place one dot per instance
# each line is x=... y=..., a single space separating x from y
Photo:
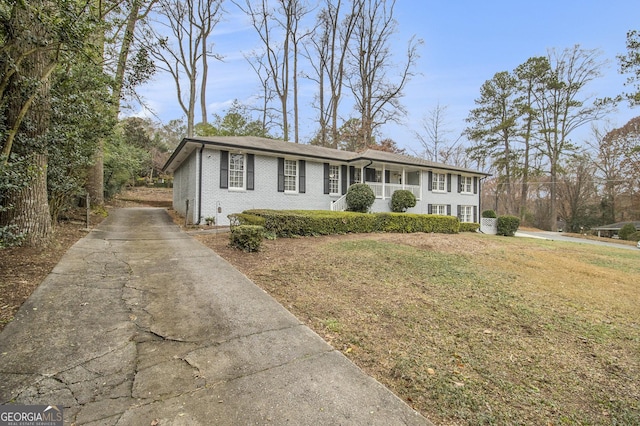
x=386 y=190
x=395 y=178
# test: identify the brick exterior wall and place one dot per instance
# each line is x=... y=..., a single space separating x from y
x=219 y=202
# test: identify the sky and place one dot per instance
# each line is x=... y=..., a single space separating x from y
x=465 y=44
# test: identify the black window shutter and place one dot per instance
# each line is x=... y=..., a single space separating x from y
x=250 y=172
x=343 y=177
x=429 y=208
x=459 y=211
x=475 y=185
x=280 y=174
x=448 y=182
x=430 y=181
x=302 y=176
x=459 y=183
x=475 y=214
x=224 y=169
x=448 y=209
x=387 y=176
x=369 y=174
x=352 y=175
x=326 y=178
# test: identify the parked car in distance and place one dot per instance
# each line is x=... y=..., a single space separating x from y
x=638 y=245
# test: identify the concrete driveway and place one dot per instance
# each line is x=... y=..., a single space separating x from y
x=140 y=324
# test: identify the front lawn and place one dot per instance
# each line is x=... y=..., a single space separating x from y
x=468 y=328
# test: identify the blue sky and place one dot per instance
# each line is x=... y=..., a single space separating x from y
x=465 y=44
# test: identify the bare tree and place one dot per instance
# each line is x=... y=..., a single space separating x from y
x=618 y=165
x=563 y=107
x=281 y=36
x=127 y=73
x=436 y=138
x=334 y=33
x=260 y=67
x=189 y=24
x=377 y=93
x=577 y=193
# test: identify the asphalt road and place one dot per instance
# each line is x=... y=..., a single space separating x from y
x=558 y=236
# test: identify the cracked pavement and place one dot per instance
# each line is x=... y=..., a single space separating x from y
x=140 y=324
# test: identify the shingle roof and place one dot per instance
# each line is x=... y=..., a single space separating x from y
x=273 y=146
x=615 y=226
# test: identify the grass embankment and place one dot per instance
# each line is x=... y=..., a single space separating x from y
x=470 y=329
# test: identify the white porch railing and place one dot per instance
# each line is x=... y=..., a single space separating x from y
x=340 y=204
x=390 y=188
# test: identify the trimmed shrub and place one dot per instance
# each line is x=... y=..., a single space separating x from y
x=508 y=225
x=469 y=226
x=360 y=198
x=236 y=219
x=634 y=237
x=626 y=231
x=401 y=200
x=489 y=214
x=246 y=237
x=291 y=223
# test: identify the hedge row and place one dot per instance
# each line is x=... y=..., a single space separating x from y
x=290 y=223
x=469 y=226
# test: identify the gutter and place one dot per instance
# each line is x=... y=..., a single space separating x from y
x=347 y=158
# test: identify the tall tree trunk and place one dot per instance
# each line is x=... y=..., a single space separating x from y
x=30 y=212
x=203 y=82
x=28 y=115
x=95 y=174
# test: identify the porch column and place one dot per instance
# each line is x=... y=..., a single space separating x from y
x=403 y=178
x=384 y=191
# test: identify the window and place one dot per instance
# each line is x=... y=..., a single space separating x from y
x=357 y=176
x=466 y=214
x=290 y=175
x=334 y=179
x=440 y=209
x=466 y=184
x=439 y=182
x=236 y=171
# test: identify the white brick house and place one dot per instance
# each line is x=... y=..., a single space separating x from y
x=217 y=176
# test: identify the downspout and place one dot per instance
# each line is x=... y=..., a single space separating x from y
x=480 y=196
x=362 y=174
x=480 y=202
x=200 y=186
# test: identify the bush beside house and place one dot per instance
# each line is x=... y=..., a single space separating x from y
x=401 y=200
x=489 y=214
x=626 y=231
x=290 y=223
x=246 y=237
x=469 y=227
x=508 y=225
x=360 y=198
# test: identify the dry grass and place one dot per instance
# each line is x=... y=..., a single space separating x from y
x=470 y=329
